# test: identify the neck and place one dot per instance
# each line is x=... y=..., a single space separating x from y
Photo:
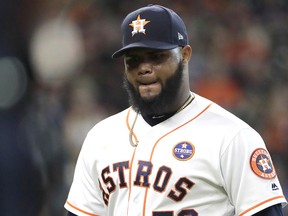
x=188 y=100
x=156 y=119
x=180 y=100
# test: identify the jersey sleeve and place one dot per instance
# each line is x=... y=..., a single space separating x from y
x=249 y=175
x=85 y=197
x=275 y=210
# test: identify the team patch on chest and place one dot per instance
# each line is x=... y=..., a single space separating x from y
x=183 y=151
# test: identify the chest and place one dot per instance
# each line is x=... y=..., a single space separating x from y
x=168 y=165
x=161 y=159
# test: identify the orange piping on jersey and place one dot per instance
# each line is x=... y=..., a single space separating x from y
x=152 y=152
x=78 y=209
x=259 y=204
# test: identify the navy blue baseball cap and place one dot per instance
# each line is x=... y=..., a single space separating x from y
x=153 y=26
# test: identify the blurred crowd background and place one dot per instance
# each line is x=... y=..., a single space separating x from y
x=57 y=80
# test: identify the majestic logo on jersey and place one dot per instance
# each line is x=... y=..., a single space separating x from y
x=261 y=164
x=274 y=187
x=138 y=25
x=183 y=151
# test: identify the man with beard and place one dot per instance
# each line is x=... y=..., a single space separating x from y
x=172 y=152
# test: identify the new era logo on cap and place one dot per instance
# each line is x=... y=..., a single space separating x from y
x=180 y=36
x=154 y=27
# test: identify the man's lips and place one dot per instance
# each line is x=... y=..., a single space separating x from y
x=148 y=86
x=146 y=81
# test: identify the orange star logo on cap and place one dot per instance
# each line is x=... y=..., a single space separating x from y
x=138 y=25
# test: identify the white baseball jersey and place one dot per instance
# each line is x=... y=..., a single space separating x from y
x=201 y=161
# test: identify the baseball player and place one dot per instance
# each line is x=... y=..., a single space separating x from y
x=173 y=152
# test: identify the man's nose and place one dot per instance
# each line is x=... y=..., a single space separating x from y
x=145 y=67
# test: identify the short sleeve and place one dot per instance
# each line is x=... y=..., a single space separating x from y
x=85 y=196
x=249 y=175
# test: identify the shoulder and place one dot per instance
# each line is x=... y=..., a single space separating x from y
x=101 y=139
x=217 y=115
x=108 y=129
x=226 y=127
x=115 y=121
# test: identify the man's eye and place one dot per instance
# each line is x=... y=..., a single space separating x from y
x=132 y=61
x=157 y=56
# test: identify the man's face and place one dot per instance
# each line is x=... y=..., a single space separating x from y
x=153 y=78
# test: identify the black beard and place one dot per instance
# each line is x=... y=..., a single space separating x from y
x=160 y=104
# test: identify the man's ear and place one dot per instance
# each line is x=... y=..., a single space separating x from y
x=186 y=53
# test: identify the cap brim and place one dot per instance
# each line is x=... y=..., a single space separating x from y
x=144 y=44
